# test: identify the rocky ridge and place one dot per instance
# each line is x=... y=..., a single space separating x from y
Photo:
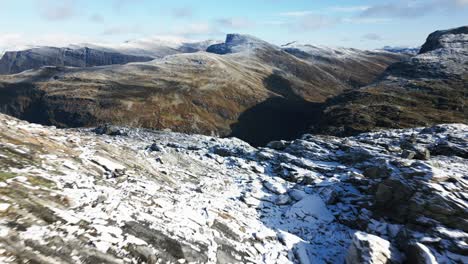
x=18 y=61
x=119 y=195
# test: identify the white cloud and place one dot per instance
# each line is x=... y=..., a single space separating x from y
x=16 y=41
x=196 y=28
x=235 y=22
x=56 y=10
x=412 y=9
x=348 y=8
x=96 y=18
x=461 y=2
x=372 y=36
x=122 y=30
x=182 y=12
x=297 y=13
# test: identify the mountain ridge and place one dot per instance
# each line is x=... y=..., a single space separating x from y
x=199 y=92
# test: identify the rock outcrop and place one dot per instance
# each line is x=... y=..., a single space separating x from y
x=148 y=196
x=18 y=61
x=452 y=38
x=370 y=249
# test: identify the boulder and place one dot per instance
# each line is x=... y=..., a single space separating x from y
x=446 y=148
x=418 y=253
x=155 y=147
x=109 y=130
x=278 y=145
x=366 y=248
x=422 y=153
x=377 y=172
x=391 y=199
x=408 y=154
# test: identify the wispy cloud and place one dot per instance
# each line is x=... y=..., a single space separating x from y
x=314 y=22
x=96 y=18
x=122 y=30
x=56 y=10
x=195 y=28
x=297 y=13
x=183 y=12
x=372 y=36
x=348 y=8
x=235 y=22
x=19 y=41
x=412 y=9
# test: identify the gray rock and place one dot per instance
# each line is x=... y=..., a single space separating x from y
x=422 y=153
x=377 y=172
x=370 y=249
x=109 y=130
x=408 y=154
x=418 y=253
x=278 y=145
x=156 y=147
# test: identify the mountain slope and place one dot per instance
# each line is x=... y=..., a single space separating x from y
x=256 y=85
x=18 y=61
x=357 y=67
x=429 y=88
x=71 y=196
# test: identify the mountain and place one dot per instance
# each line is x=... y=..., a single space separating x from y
x=141 y=196
x=404 y=50
x=357 y=67
x=236 y=43
x=244 y=87
x=18 y=61
x=427 y=89
x=158 y=47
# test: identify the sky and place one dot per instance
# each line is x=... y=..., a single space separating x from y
x=360 y=24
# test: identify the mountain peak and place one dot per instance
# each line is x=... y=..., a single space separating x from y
x=450 y=38
x=237 y=43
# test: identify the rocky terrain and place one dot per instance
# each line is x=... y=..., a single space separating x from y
x=118 y=195
x=18 y=61
x=234 y=87
x=429 y=88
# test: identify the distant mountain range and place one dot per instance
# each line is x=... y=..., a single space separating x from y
x=405 y=50
x=244 y=87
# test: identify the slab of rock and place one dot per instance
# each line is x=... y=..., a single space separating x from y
x=418 y=253
x=370 y=249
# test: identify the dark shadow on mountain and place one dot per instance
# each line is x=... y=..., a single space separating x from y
x=26 y=102
x=285 y=116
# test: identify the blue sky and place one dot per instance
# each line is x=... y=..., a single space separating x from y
x=350 y=23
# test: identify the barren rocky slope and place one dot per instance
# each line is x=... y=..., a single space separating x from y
x=254 y=84
x=429 y=88
x=73 y=196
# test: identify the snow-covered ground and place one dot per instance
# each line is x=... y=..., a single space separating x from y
x=70 y=196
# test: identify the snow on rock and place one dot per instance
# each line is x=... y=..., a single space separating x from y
x=311 y=206
x=71 y=196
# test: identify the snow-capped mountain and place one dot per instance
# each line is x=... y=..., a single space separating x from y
x=404 y=50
